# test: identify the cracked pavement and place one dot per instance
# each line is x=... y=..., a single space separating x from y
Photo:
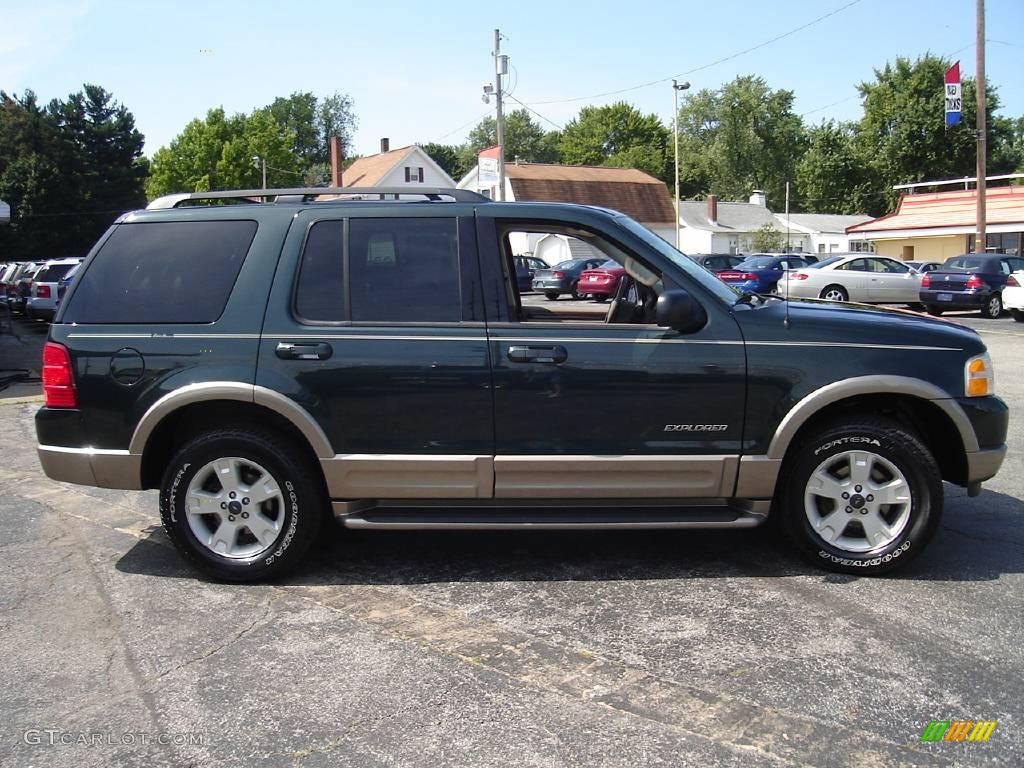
x=535 y=649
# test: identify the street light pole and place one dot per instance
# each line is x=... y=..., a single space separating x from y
x=980 y=239
x=676 y=88
x=257 y=161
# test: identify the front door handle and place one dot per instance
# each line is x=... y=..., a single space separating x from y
x=303 y=350
x=552 y=355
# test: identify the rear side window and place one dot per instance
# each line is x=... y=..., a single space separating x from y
x=320 y=294
x=165 y=272
x=53 y=273
x=404 y=270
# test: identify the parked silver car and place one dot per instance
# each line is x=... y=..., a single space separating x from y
x=42 y=299
x=858 y=277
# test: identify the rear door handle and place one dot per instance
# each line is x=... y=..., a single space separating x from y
x=303 y=350
x=552 y=354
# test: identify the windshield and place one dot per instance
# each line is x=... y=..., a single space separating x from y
x=693 y=270
x=758 y=262
x=825 y=262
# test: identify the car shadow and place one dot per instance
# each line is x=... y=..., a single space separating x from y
x=980 y=539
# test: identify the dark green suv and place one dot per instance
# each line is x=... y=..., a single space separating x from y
x=267 y=357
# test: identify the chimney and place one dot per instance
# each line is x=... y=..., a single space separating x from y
x=712 y=209
x=385 y=145
x=337 y=160
x=758 y=197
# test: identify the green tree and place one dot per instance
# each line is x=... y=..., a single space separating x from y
x=832 y=176
x=525 y=139
x=313 y=121
x=450 y=157
x=741 y=137
x=903 y=137
x=617 y=135
x=766 y=239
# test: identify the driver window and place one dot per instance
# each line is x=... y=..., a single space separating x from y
x=584 y=278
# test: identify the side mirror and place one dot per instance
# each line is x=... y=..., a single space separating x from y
x=677 y=309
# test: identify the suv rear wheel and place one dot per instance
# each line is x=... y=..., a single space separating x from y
x=863 y=497
x=239 y=505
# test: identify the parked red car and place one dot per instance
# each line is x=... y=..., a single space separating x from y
x=602 y=281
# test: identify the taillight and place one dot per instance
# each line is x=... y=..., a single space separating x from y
x=43 y=292
x=1011 y=281
x=926 y=281
x=973 y=282
x=58 y=382
x=798 y=275
x=558 y=275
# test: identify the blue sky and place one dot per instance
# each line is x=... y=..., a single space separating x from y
x=415 y=69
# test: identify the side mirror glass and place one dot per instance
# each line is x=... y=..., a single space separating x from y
x=677 y=309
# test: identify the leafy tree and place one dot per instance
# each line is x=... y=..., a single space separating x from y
x=832 y=176
x=766 y=239
x=450 y=157
x=741 y=137
x=313 y=121
x=617 y=135
x=68 y=170
x=902 y=134
x=524 y=139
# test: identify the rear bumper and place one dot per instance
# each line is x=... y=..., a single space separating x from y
x=597 y=290
x=956 y=298
x=562 y=286
x=92 y=466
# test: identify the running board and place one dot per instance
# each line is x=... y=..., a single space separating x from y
x=432 y=518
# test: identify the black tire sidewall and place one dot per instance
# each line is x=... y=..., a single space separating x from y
x=302 y=504
x=845 y=294
x=986 y=311
x=891 y=443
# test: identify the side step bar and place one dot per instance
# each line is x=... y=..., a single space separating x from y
x=490 y=518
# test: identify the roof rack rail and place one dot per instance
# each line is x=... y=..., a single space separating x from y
x=301 y=194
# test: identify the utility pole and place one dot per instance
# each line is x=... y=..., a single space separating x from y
x=257 y=161
x=676 y=88
x=500 y=68
x=980 y=240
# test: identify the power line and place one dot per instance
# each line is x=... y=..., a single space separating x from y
x=439 y=139
x=531 y=109
x=701 y=68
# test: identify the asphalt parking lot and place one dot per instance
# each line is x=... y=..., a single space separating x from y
x=535 y=649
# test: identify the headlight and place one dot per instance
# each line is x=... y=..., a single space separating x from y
x=979 y=378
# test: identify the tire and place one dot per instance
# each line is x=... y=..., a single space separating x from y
x=875 y=451
x=934 y=311
x=834 y=293
x=291 y=516
x=600 y=298
x=552 y=295
x=575 y=292
x=1017 y=315
x=916 y=307
x=993 y=308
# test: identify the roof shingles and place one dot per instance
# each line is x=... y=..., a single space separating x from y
x=1003 y=205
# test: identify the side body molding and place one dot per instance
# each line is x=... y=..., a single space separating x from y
x=869 y=385
x=230 y=390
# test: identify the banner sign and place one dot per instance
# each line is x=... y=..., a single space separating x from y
x=953 y=95
x=488 y=171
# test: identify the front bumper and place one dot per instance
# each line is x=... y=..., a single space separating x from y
x=983 y=465
x=990 y=420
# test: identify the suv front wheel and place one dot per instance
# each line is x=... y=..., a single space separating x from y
x=863 y=497
x=240 y=504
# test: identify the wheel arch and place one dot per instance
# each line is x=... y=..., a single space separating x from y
x=202 y=406
x=935 y=417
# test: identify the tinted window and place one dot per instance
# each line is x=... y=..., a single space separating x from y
x=404 y=270
x=826 y=262
x=320 y=293
x=53 y=273
x=759 y=262
x=167 y=272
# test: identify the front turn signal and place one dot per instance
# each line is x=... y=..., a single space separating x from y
x=979 y=378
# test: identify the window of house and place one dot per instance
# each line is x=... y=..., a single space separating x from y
x=413 y=174
x=163 y=272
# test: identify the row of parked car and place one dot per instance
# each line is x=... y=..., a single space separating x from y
x=35 y=288
x=989 y=282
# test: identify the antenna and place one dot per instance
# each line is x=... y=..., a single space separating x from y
x=785 y=322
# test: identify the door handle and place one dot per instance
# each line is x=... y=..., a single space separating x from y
x=552 y=355
x=302 y=350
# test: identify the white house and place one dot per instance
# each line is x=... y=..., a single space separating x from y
x=403 y=167
x=633 y=192
x=826 y=232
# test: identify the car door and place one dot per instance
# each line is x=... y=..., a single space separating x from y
x=855 y=277
x=892 y=282
x=609 y=410
x=375 y=327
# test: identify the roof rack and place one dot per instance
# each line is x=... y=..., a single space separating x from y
x=303 y=194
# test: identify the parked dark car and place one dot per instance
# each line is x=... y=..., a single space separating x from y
x=66 y=281
x=7 y=274
x=718 y=262
x=600 y=283
x=924 y=266
x=18 y=293
x=563 y=277
x=761 y=274
x=970 y=281
x=526 y=266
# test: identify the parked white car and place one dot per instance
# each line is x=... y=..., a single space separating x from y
x=859 y=277
x=1013 y=295
x=42 y=301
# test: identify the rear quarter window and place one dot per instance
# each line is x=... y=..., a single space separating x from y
x=162 y=272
